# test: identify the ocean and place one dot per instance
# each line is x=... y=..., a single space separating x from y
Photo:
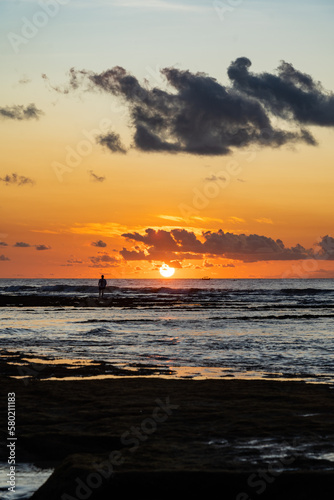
x=255 y=329
x=280 y=329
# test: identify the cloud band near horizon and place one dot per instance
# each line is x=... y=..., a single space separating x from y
x=181 y=244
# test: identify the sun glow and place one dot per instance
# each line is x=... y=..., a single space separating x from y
x=166 y=271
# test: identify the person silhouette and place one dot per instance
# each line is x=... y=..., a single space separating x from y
x=102 y=286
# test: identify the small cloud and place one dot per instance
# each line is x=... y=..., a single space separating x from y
x=74 y=261
x=236 y=220
x=3 y=244
x=95 y=177
x=214 y=177
x=103 y=260
x=3 y=258
x=18 y=180
x=99 y=243
x=19 y=112
x=171 y=217
x=21 y=244
x=264 y=220
x=24 y=80
x=162 y=5
x=112 y=141
x=42 y=247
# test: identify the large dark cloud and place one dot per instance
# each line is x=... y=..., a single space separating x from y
x=182 y=244
x=201 y=116
x=19 y=112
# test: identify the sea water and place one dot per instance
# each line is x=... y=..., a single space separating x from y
x=240 y=328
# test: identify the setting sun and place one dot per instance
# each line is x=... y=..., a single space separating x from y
x=166 y=271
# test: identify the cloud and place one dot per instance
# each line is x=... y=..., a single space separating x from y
x=104 y=260
x=112 y=141
x=3 y=244
x=181 y=244
x=72 y=261
x=21 y=244
x=99 y=243
x=15 y=179
x=95 y=177
x=290 y=94
x=43 y=247
x=161 y=5
x=264 y=220
x=19 y=112
x=214 y=177
x=327 y=247
x=200 y=116
x=3 y=258
x=24 y=80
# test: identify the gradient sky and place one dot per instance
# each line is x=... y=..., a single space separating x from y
x=70 y=206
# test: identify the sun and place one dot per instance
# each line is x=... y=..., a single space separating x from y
x=166 y=271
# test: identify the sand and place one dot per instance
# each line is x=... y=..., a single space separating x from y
x=159 y=436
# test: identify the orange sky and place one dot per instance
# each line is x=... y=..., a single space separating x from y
x=279 y=193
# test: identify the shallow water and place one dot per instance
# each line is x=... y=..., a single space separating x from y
x=272 y=328
x=28 y=479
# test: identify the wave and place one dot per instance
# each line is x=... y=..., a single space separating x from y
x=273 y=317
x=90 y=321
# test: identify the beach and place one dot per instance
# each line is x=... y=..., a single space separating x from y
x=157 y=436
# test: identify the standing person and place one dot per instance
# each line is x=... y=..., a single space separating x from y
x=102 y=285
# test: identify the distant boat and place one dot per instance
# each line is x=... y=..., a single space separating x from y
x=206 y=278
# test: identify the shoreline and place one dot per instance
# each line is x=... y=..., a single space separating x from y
x=29 y=366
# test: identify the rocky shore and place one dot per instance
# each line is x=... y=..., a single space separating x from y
x=159 y=436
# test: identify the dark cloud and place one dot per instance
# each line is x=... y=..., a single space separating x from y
x=290 y=94
x=327 y=247
x=96 y=177
x=3 y=258
x=19 y=112
x=15 y=179
x=72 y=261
x=99 y=243
x=112 y=141
x=21 y=244
x=104 y=260
x=133 y=254
x=200 y=116
x=181 y=244
x=42 y=247
x=3 y=244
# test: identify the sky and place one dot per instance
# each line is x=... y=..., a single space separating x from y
x=188 y=132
